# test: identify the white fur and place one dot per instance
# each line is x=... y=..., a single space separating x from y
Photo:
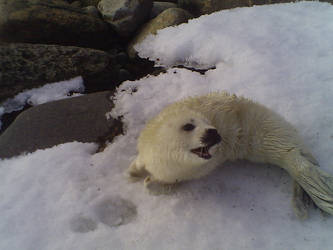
x=248 y=130
x=164 y=149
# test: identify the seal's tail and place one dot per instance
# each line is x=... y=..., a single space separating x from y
x=317 y=184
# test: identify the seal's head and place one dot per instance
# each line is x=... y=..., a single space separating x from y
x=178 y=144
x=194 y=136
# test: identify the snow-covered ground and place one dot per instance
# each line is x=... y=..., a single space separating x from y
x=47 y=93
x=69 y=197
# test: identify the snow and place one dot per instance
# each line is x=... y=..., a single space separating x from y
x=69 y=197
x=47 y=93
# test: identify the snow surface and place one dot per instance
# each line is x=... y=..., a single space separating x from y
x=47 y=93
x=69 y=197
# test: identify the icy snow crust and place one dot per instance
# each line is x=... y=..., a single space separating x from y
x=69 y=197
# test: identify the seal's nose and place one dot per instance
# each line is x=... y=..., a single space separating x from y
x=211 y=137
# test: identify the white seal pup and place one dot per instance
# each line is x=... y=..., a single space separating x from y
x=189 y=138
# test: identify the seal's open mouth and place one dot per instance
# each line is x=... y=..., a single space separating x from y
x=202 y=152
x=210 y=138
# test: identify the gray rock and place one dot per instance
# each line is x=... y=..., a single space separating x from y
x=122 y=58
x=169 y=17
x=159 y=7
x=86 y=3
x=76 y=119
x=125 y=16
x=173 y=1
x=24 y=66
x=200 y=7
x=51 y=22
x=76 y=4
x=124 y=75
x=91 y=10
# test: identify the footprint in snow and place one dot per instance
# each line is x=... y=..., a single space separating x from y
x=115 y=211
x=80 y=224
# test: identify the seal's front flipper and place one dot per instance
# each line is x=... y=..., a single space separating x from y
x=136 y=170
x=157 y=188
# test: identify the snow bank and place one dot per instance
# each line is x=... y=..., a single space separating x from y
x=69 y=197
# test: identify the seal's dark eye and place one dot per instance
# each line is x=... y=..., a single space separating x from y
x=188 y=127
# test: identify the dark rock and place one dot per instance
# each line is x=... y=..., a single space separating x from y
x=8 y=118
x=200 y=7
x=90 y=2
x=92 y=10
x=124 y=75
x=76 y=119
x=125 y=16
x=25 y=66
x=51 y=22
x=139 y=67
x=122 y=58
x=169 y=17
x=159 y=7
x=76 y=4
x=172 y=1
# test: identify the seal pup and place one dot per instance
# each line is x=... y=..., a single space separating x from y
x=189 y=138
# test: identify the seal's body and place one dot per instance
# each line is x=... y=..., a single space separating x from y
x=189 y=138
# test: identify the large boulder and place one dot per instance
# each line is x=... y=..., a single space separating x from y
x=173 y=1
x=80 y=119
x=89 y=2
x=91 y=10
x=159 y=7
x=51 y=22
x=169 y=17
x=200 y=7
x=24 y=66
x=125 y=16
